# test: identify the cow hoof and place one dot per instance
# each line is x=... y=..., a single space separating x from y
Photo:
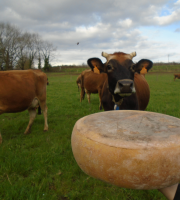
x=27 y=132
x=46 y=129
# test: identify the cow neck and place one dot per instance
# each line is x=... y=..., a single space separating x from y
x=119 y=102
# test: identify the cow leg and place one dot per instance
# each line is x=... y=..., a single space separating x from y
x=79 y=86
x=100 y=101
x=44 y=110
x=88 y=95
x=32 y=115
x=82 y=94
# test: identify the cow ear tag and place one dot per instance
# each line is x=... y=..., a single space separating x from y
x=144 y=69
x=143 y=66
x=95 y=63
x=116 y=107
x=96 y=70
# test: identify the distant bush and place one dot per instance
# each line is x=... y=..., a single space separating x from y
x=162 y=63
x=157 y=67
x=165 y=67
x=68 y=68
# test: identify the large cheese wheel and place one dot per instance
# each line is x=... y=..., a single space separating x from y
x=131 y=149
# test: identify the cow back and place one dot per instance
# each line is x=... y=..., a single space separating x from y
x=87 y=70
x=93 y=81
x=19 y=88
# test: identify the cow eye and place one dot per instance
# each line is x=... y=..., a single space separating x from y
x=109 y=67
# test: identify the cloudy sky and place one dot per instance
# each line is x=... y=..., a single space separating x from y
x=151 y=28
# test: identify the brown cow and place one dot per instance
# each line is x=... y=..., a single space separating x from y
x=176 y=76
x=21 y=90
x=78 y=80
x=125 y=85
x=92 y=83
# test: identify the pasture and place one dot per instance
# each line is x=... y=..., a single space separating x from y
x=41 y=165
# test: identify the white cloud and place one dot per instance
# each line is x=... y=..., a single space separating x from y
x=172 y=17
x=127 y=23
x=99 y=25
x=177 y=3
x=165 y=20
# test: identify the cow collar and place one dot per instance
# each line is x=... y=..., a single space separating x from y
x=117 y=104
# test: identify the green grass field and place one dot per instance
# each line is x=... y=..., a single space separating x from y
x=166 y=68
x=41 y=165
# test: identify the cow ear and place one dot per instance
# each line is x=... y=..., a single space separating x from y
x=95 y=63
x=143 y=66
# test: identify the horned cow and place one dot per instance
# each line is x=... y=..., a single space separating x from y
x=125 y=85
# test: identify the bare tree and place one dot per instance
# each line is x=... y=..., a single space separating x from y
x=9 y=37
x=39 y=62
x=23 y=50
x=33 y=46
x=46 y=49
x=18 y=48
x=30 y=48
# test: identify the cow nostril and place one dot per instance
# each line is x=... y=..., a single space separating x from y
x=125 y=86
x=120 y=84
x=131 y=85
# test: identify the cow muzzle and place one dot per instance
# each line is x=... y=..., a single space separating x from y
x=124 y=87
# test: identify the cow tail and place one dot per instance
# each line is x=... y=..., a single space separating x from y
x=84 y=94
x=39 y=110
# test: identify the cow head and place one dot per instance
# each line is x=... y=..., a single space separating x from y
x=120 y=71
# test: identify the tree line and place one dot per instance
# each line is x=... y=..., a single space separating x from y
x=21 y=50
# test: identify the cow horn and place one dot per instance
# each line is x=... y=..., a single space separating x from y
x=104 y=54
x=133 y=54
